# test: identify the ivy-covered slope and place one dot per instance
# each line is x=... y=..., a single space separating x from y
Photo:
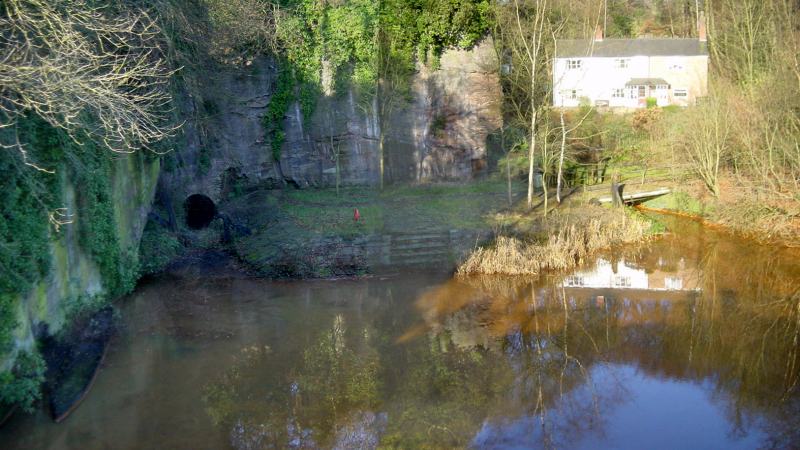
x=68 y=239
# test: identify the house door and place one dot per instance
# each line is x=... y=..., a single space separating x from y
x=642 y=94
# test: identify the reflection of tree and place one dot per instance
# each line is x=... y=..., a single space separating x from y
x=740 y=331
x=531 y=366
x=445 y=394
x=221 y=398
x=336 y=377
x=493 y=352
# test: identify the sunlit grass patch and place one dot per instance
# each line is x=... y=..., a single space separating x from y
x=336 y=219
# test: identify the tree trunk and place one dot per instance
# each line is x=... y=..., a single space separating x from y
x=508 y=164
x=561 y=157
x=531 y=155
x=380 y=155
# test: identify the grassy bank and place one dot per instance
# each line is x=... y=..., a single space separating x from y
x=561 y=241
x=310 y=233
x=768 y=219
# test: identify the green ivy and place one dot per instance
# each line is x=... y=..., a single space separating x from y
x=346 y=34
x=90 y=169
x=22 y=385
x=158 y=247
x=8 y=321
x=279 y=103
x=204 y=160
x=28 y=197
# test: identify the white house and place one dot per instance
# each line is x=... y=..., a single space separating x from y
x=624 y=73
x=605 y=275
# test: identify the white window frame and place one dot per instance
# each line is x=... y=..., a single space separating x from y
x=622 y=63
x=576 y=281
x=673 y=283
x=618 y=93
x=622 y=281
x=574 y=64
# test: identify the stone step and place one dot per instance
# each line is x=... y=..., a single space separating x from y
x=421 y=262
x=421 y=253
x=421 y=245
x=420 y=237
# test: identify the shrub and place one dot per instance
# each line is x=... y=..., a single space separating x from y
x=157 y=249
x=22 y=385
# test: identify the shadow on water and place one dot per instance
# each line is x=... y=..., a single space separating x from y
x=691 y=341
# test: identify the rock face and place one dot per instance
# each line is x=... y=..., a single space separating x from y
x=73 y=273
x=439 y=134
x=455 y=109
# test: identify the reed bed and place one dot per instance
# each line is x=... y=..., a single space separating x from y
x=566 y=240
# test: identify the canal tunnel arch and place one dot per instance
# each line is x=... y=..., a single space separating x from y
x=200 y=211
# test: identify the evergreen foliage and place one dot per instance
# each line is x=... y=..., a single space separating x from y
x=330 y=46
x=21 y=386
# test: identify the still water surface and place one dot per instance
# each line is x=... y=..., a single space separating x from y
x=690 y=342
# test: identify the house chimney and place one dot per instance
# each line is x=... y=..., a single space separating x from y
x=598 y=33
x=701 y=27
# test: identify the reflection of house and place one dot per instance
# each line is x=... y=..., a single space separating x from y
x=605 y=275
x=624 y=73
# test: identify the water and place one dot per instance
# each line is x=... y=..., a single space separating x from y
x=691 y=342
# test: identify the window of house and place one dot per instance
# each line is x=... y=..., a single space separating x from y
x=673 y=283
x=662 y=87
x=622 y=63
x=575 y=280
x=618 y=93
x=622 y=281
x=574 y=64
x=681 y=93
x=569 y=94
x=642 y=91
x=633 y=92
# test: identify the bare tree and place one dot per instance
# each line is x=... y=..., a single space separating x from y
x=524 y=31
x=85 y=71
x=533 y=51
x=703 y=136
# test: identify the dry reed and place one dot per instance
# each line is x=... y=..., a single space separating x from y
x=571 y=238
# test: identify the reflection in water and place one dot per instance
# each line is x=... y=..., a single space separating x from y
x=624 y=275
x=690 y=342
x=714 y=322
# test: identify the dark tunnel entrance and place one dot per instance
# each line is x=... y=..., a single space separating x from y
x=200 y=211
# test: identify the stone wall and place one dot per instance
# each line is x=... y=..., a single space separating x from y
x=439 y=135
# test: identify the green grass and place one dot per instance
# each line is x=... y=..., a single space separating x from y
x=396 y=209
x=678 y=201
x=335 y=219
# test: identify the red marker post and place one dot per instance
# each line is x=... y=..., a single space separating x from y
x=356 y=215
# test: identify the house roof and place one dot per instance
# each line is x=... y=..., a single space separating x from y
x=646 y=82
x=574 y=48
